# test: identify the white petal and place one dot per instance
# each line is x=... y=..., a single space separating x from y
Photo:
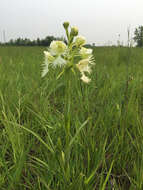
x=59 y=61
x=85 y=79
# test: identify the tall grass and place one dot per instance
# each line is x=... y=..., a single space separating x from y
x=102 y=146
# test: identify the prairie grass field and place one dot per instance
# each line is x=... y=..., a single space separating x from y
x=100 y=147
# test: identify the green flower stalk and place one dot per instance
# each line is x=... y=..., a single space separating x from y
x=72 y=58
x=66 y=26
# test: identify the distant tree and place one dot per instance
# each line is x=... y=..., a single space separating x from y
x=46 y=41
x=38 y=42
x=138 y=36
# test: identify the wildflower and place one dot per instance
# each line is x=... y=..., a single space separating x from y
x=85 y=79
x=62 y=55
x=54 y=61
x=83 y=66
x=74 y=31
x=80 y=41
x=57 y=47
x=85 y=53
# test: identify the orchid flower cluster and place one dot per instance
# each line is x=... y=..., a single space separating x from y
x=71 y=55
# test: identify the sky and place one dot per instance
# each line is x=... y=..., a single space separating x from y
x=100 y=21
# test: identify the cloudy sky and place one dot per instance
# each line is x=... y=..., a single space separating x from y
x=100 y=21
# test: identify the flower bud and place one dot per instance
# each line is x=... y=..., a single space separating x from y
x=74 y=31
x=66 y=25
x=80 y=41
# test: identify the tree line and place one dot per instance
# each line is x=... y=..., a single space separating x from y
x=28 y=42
x=138 y=38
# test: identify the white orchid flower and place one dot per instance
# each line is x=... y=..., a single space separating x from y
x=57 y=47
x=48 y=60
x=62 y=55
x=85 y=53
x=80 y=41
x=83 y=66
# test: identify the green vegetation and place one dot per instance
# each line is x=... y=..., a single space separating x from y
x=102 y=147
x=28 y=42
x=139 y=36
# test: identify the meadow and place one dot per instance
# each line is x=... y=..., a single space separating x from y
x=101 y=148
